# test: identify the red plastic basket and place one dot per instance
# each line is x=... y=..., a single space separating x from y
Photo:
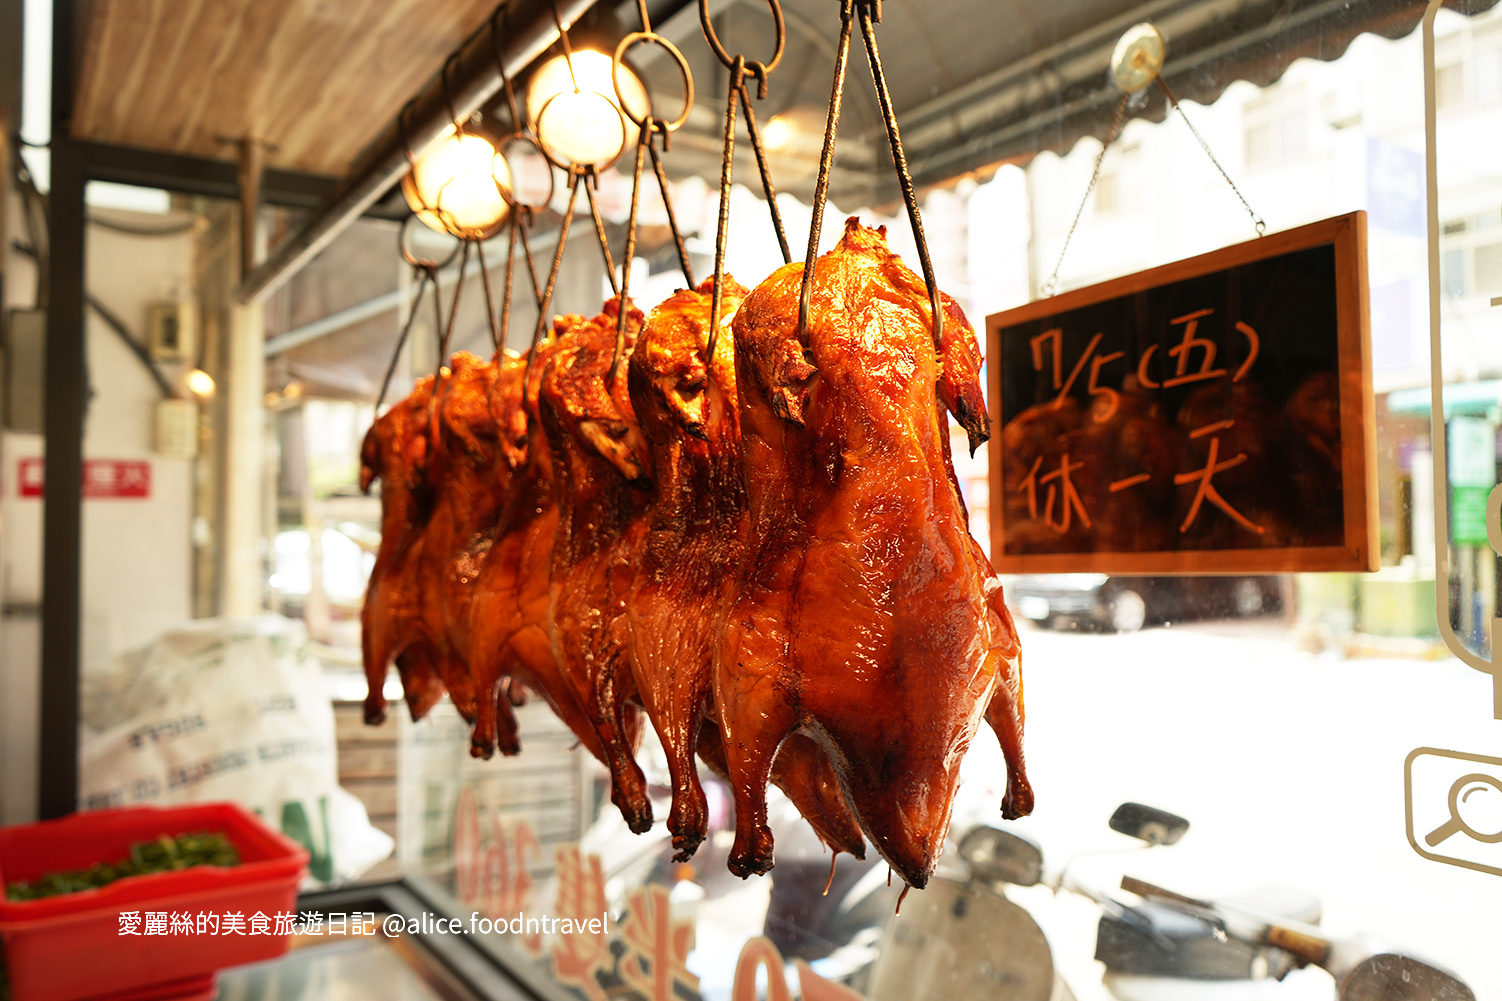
x=71 y=946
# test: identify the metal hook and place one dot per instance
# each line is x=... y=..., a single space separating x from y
x=643 y=142
x=667 y=201
x=594 y=211
x=642 y=37
x=739 y=67
x=547 y=296
x=869 y=11
x=727 y=59
x=826 y=159
x=401 y=337
x=448 y=329
x=490 y=315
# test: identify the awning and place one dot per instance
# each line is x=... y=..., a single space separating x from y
x=978 y=83
x=974 y=82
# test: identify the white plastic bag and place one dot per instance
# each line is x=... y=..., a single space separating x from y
x=228 y=709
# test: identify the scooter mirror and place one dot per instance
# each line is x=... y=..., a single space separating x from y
x=1156 y=827
x=1000 y=855
x=1393 y=977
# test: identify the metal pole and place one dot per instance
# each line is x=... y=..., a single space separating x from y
x=473 y=79
x=66 y=400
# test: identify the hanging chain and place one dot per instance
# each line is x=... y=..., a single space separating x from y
x=1052 y=284
x=547 y=294
x=826 y=160
x=648 y=128
x=643 y=143
x=662 y=184
x=1050 y=287
x=427 y=271
x=448 y=328
x=521 y=223
x=591 y=184
x=870 y=14
x=736 y=93
x=490 y=315
x=1257 y=222
x=870 y=10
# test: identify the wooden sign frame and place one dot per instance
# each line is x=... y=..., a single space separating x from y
x=1360 y=548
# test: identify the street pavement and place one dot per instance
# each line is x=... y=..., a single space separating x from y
x=1288 y=764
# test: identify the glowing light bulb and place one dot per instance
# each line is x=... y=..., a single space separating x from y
x=584 y=125
x=456 y=186
x=199 y=383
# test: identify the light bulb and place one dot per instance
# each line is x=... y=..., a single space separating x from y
x=199 y=383
x=456 y=186
x=584 y=126
x=796 y=137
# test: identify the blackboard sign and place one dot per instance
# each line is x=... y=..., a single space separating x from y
x=1213 y=415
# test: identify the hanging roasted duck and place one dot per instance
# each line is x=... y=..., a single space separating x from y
x=864 y=614
x=510 y=619
x=442 y=488
x=689 y=418
x=395 y=451
x=602 y=481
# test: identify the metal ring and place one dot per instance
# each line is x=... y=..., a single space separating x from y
x=683 y=70
x=422 y=262
x=511 y=198
x=727 y=58
x=542 y=141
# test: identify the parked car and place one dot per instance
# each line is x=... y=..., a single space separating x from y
x=1126 y=604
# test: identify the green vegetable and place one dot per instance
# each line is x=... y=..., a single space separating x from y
x=165 y=854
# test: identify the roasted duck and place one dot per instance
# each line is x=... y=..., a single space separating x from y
x=602 y=480
x=510 y=622
x=395 y=451
x=467 y=485
x=442 y=487
x=864 y=614
x=769 y=553
x=688 y=416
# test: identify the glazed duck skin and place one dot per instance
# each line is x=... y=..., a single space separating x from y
x=862 y=615
x=395 y=451
x=687 y=417
x=694 y=543
x=601 y=474
x=467 y=486
x=471 y=483
x=510 y=623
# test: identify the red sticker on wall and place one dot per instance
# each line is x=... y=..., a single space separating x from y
x=102 y=478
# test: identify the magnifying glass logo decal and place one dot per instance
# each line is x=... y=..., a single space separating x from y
x=1459 y=793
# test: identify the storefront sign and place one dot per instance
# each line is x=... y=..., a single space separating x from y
x=1209 y=416
x=1472 y=456
x=103 y=479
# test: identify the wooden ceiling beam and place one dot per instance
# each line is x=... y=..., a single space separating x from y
x=473 y=79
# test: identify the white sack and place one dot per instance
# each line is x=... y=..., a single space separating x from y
x=228 y=709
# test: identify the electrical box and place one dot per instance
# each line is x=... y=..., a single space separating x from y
x=171 y=329
x=24 y=369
